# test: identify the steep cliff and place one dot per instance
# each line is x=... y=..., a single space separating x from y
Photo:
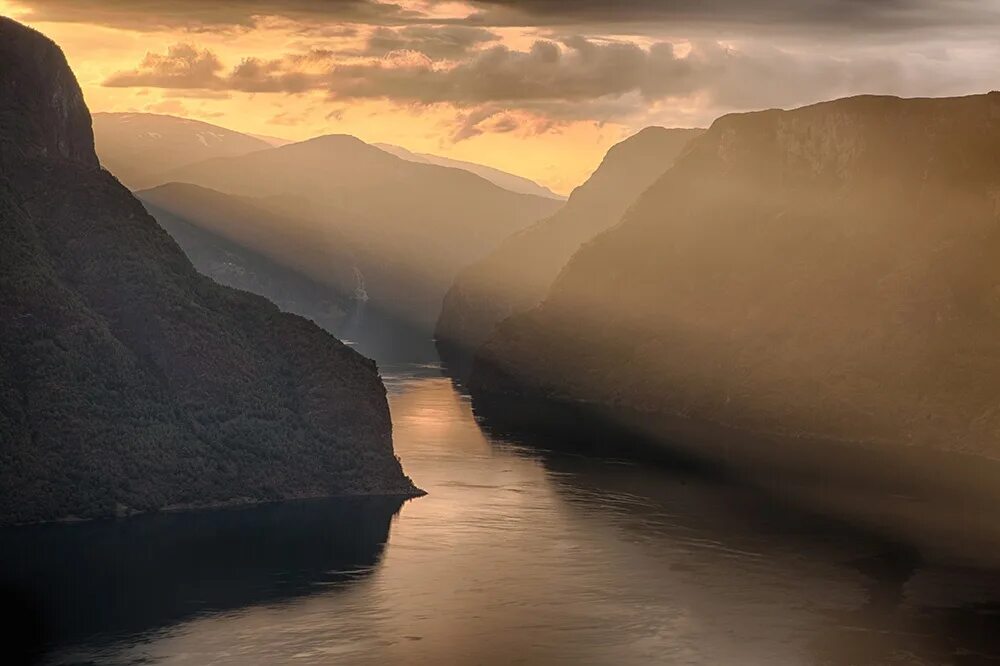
x=129 y=382
x=826 y=272
x=515 y=277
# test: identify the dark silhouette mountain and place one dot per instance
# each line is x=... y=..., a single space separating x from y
x=827 y=273
x=498 y=177
x=238 y=242
x=516 y=276
x=139 y=147
x=129 y=381
x=412 y=226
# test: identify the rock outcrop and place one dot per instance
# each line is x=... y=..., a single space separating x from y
x=130 y=382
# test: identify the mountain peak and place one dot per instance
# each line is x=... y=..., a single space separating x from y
x=345 y=139
x=42 y=112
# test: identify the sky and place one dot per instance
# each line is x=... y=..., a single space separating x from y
x=541 y=88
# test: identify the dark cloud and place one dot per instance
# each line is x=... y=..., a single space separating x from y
x=584 y=71
x=446 y=41
x=216 y=14
x=584 y=15
x=863 y=15
x=577 y=78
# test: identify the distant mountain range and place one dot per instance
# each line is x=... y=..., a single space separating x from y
x=128 y=381
x=140 y=148
x=508 y=181
x=410 y=227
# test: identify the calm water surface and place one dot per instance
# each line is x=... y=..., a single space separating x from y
x=514 y=556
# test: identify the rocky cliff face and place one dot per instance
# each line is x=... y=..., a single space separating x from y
x=47 y=120
x=516 y=276
x=823 y=272
x=129 y=382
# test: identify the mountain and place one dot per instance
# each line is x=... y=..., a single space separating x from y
x=516 y=276
x=238 y=242
x=507 y=181
x=129 y=381
x=411 y=226
x=826 y=274
x=138 y=147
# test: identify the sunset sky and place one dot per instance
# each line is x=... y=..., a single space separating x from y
x=537 y=87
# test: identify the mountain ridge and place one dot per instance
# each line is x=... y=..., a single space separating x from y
x=499 y=177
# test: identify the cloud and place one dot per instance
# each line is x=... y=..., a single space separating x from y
x=147 y=15
x=447 y=41
x=855 y=15
x=183 y=66
x=499 y=89
x=574 y=78
x=496 y=120
x=187 y=68
x=582 y=70
x=747 y=16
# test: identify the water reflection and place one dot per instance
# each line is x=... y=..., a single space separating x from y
x=98 y=581
x=527 y=554
x=875 y=600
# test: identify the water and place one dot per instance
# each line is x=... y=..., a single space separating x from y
x=516 y=555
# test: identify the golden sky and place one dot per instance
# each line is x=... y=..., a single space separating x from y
x=541 y=88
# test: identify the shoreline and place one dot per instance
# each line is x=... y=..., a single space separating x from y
x=237 y=503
